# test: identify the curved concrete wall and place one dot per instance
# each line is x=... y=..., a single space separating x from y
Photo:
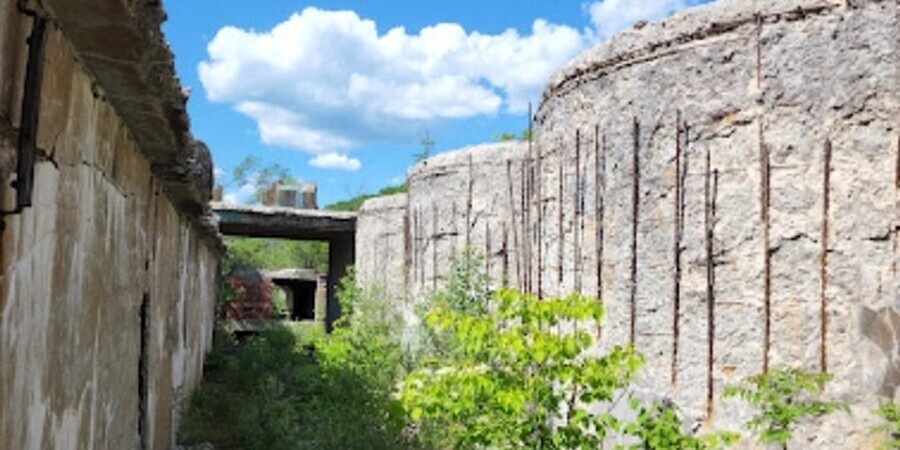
x=741 y=167
x=381 y=244
x=471 y=198
x=405 y=242
x=726 y=180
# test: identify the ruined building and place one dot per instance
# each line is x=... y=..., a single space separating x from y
x=727 y=181
x=109 y=253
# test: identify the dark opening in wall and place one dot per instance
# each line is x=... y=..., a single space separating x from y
x=143 y=376
x=300 y=296
x=304 y=301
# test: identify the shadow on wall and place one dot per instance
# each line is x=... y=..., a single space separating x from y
x=882 y=328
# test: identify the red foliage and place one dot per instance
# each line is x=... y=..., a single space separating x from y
x=252 y=295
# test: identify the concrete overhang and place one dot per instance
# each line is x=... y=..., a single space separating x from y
x=294 y=275
x=284 y=223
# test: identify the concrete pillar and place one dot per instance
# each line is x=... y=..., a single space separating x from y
x=321 y=298
x=341 y=254
x=287 y=196
x=308 y=196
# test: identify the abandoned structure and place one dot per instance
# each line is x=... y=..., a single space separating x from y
x=109 y=251
x=305 y=290
x=286 y=222
x=291 y=196
x=727 y=181
x=291 y=212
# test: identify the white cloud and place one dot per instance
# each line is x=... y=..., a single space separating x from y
x=333 y=160
x=324 y=82
x=611 y=16
x=327 y=81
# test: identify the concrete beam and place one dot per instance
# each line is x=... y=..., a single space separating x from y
x=285 y=223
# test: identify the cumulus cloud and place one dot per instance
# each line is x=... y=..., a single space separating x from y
x=325 y=82
x=334 y=160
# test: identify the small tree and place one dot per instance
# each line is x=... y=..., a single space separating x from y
x=517 y=375
x=783 y=398
x=427 y=145
x=658 y=428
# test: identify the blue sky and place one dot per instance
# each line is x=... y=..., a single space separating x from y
x=342 y=92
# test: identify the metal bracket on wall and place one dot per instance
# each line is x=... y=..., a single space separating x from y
x=31 y=100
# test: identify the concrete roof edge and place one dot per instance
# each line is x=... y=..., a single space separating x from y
x=120 y=42
x=690 y=25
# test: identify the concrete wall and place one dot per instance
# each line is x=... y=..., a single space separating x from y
x=405 y=242
x=382 y=244
x=728 y=182
x=107 y=283
x=746 y=206
x=471 y=198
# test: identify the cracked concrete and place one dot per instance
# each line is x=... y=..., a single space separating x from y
x=727 y=181
x=107 y=283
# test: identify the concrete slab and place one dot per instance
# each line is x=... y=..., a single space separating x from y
x=284 y=223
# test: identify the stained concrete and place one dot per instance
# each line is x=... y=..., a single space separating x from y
x=726 y=181
x=283 y=222
x=107 y=283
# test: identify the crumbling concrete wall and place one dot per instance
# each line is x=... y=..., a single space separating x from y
x=467 y=199
x=744 y=196
x=382 y=233
x=107 y=282
x=473 y=198
x=727 y=181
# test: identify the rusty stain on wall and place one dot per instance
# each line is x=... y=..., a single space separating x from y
x=107 y=280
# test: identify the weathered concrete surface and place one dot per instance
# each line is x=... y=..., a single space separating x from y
x=382 y=245
x=726 y=180
x=301 y=285
x=750 y=212
x=107 y=282
x=120 y=42
x=467 y=199
x=283 y=222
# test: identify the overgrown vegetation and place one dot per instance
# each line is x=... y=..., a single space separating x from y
x=784 y=398
x=658 y=428
x=485 y=370
x=890 y=413
x=289 y=388
x=274 y=254
x=509 y=366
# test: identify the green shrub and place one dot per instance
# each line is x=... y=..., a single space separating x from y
x=247 y=399
x=784 y=398
x=890 y=413
x=658 y=428
x=509 y=370
x=296 y=389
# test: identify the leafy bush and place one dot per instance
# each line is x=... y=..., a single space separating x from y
x=287 y=389
x=890 y=412
x=783 y=398
x=658 y=428
x=247 y=399
x=361 y=362
x=508 y=372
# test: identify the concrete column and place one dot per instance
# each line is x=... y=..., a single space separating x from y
x=321 y=298
x=341 y=254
